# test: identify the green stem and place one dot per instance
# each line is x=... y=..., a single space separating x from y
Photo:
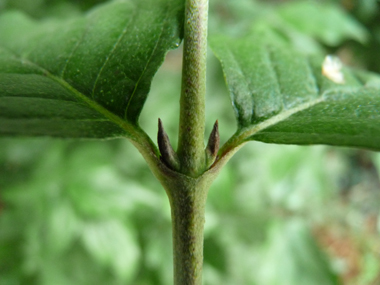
x=187 y=195
x=187 y=181
x=187 y=198
x=192 y=104
x=188 y=210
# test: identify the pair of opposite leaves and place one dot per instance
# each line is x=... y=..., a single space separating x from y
x=90 y=76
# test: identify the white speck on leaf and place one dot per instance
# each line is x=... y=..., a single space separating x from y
x=331 y=68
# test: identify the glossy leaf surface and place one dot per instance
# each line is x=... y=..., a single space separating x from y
x=281 y=96
x=84 y=77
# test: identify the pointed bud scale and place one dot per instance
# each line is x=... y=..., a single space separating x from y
x=212 y=145
x=168 y=155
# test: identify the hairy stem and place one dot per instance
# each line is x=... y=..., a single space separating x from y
x=192 y=104
x=188 y=217
x=184 y=179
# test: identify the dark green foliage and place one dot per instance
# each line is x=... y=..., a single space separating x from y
x=281 y=97
x=280 y=94
x=84 y=77
x=85 y=212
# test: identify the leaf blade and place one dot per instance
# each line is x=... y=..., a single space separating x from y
x=102 y=63
x=291 y=102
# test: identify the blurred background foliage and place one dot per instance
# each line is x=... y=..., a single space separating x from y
x=90 y=212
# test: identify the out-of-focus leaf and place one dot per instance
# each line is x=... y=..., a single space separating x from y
x=235 y=17
x=72 y=187
x=113 y=244
x=304 y=24
x=280 y=96
x=84 y=77
x=325 y=21
x=63 y=226
x=49 y=8
x=371 y=269
x=156 y=247
x=366 y=11
x=293 y=258
x=220 y=194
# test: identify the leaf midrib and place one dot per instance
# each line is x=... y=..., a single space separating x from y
x=125 y=125
x=243 y=134
x=282 y=116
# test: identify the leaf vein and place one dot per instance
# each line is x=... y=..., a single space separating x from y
x=79 y=42
x=146 y=66
x=123 y=33
x=250 y=131
x=125 y=125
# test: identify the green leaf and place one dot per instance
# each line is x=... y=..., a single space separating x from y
x=87 y=76
x=293 y=257
x=113 y=244
x=281 y=96
x=325 y=21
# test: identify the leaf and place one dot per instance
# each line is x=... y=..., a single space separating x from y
x=112 y=243
x=281 y=96
x=325 y=21
x=84 y=77
x=293 y=257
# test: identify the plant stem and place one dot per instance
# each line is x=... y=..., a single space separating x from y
x=188 y=210
x=187 y=198
x=192 y=104
x=187 y=189
x=187 y=175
